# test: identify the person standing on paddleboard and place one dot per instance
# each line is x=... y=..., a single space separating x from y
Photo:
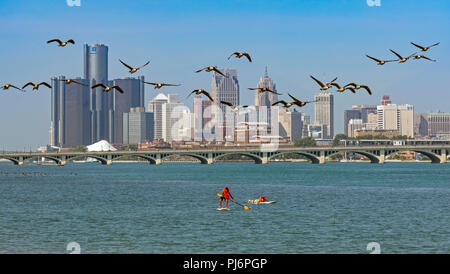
x=226 y=195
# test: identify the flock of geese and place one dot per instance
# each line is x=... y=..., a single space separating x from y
x=295 y=102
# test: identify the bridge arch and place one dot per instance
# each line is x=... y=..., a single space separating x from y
x=254 y=157
x=201 y=158
x=102 y=160
x=13 y=160
x=150 y=159
x=435 y=158
x=372 y=157
x=314 y=159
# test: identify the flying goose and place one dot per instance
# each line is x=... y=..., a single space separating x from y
x=264 y=90
x=212 y=68
x=70 y=81
x=36 y=86
x=61 y=43
x=201 y=91
x=425 y=48
x=160 y=85
x=402 y=59
x=234 y=108
x=380 y=62
x=300 y=103
x=107 y=88
x=285 y=104
x=322 y=86
x=356 y=86
x=240 y=55
x=342 y=89
x=7 y=86
x=418 y=56
x=133 y=70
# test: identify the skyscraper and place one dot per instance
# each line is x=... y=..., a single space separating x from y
x=266 y=98
x=350 y=114
x=138 y=126
x=70 y=114
x=396 y=117
x=324 y=112
x=96 y=71
x=225 y=88
x=120 y=103
x=155 y=106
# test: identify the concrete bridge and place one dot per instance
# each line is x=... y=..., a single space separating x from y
x=317 y=155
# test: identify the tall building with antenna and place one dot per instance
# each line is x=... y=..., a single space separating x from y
x=266 y=98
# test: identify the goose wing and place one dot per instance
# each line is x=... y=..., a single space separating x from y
x=373 y=58
x=54 y=40
x=248 y=57
x=434 y=45
x=28 y=84
x=280 y=102
x=398 y=55
x=424 y=57
x=351 y=89
x=350 y=84
x=70 y=41
x=201 y=69
x=148 y=62
x=317 y=81
x=367 y=88
x=13 y=86
x=118 y=88
x=98 y=85
x=420 y=47
x=208 y=95
x=234 y=53
x=293 y=98
x=227 y=103
x=128 y=66
x=45 y=84
x=219 y=72
x=336 y=85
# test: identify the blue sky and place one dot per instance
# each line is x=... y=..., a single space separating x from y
x=293 y=38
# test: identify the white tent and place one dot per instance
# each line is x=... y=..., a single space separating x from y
x=101 y=146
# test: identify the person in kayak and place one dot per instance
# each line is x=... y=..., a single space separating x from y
x=226 y=195
x=262 y=199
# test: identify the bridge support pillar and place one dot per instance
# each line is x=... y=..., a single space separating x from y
x=322 y=157
x=108 y=160
x=210 y=159
x=20 y=162
x=63 y=161
x=264 y=158
x=443 y=159
x=158 y=159
x=382 y=157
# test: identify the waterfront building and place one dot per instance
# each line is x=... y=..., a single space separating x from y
x=137 y=126
x=324 y=113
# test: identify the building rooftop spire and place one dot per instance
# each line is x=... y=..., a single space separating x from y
x=265 y=73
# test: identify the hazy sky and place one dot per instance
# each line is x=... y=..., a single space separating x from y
x=294 y=38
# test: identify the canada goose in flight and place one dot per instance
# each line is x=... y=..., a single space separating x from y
x=356 y=86
x=342 y=89
x=285 y=104
x=70 y=81
x=160 y=85
x=201 y=91
x=240 y=55
x=264 y=90
x=212 y=68
x=380 y=62
x=418 y=56
x=425 y=48
x=234 y=108
x=107 y=88
x=7 y=86
x=322 y=86
x=402 y=59
x=36 y=86
x=61 y=43
x=133 y=70
x=299 y=103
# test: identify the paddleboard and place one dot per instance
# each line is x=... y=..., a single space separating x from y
x=223 y=209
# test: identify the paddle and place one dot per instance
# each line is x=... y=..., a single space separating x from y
x=244 y=206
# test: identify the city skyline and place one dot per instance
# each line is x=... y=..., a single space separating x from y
x=303 y=52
